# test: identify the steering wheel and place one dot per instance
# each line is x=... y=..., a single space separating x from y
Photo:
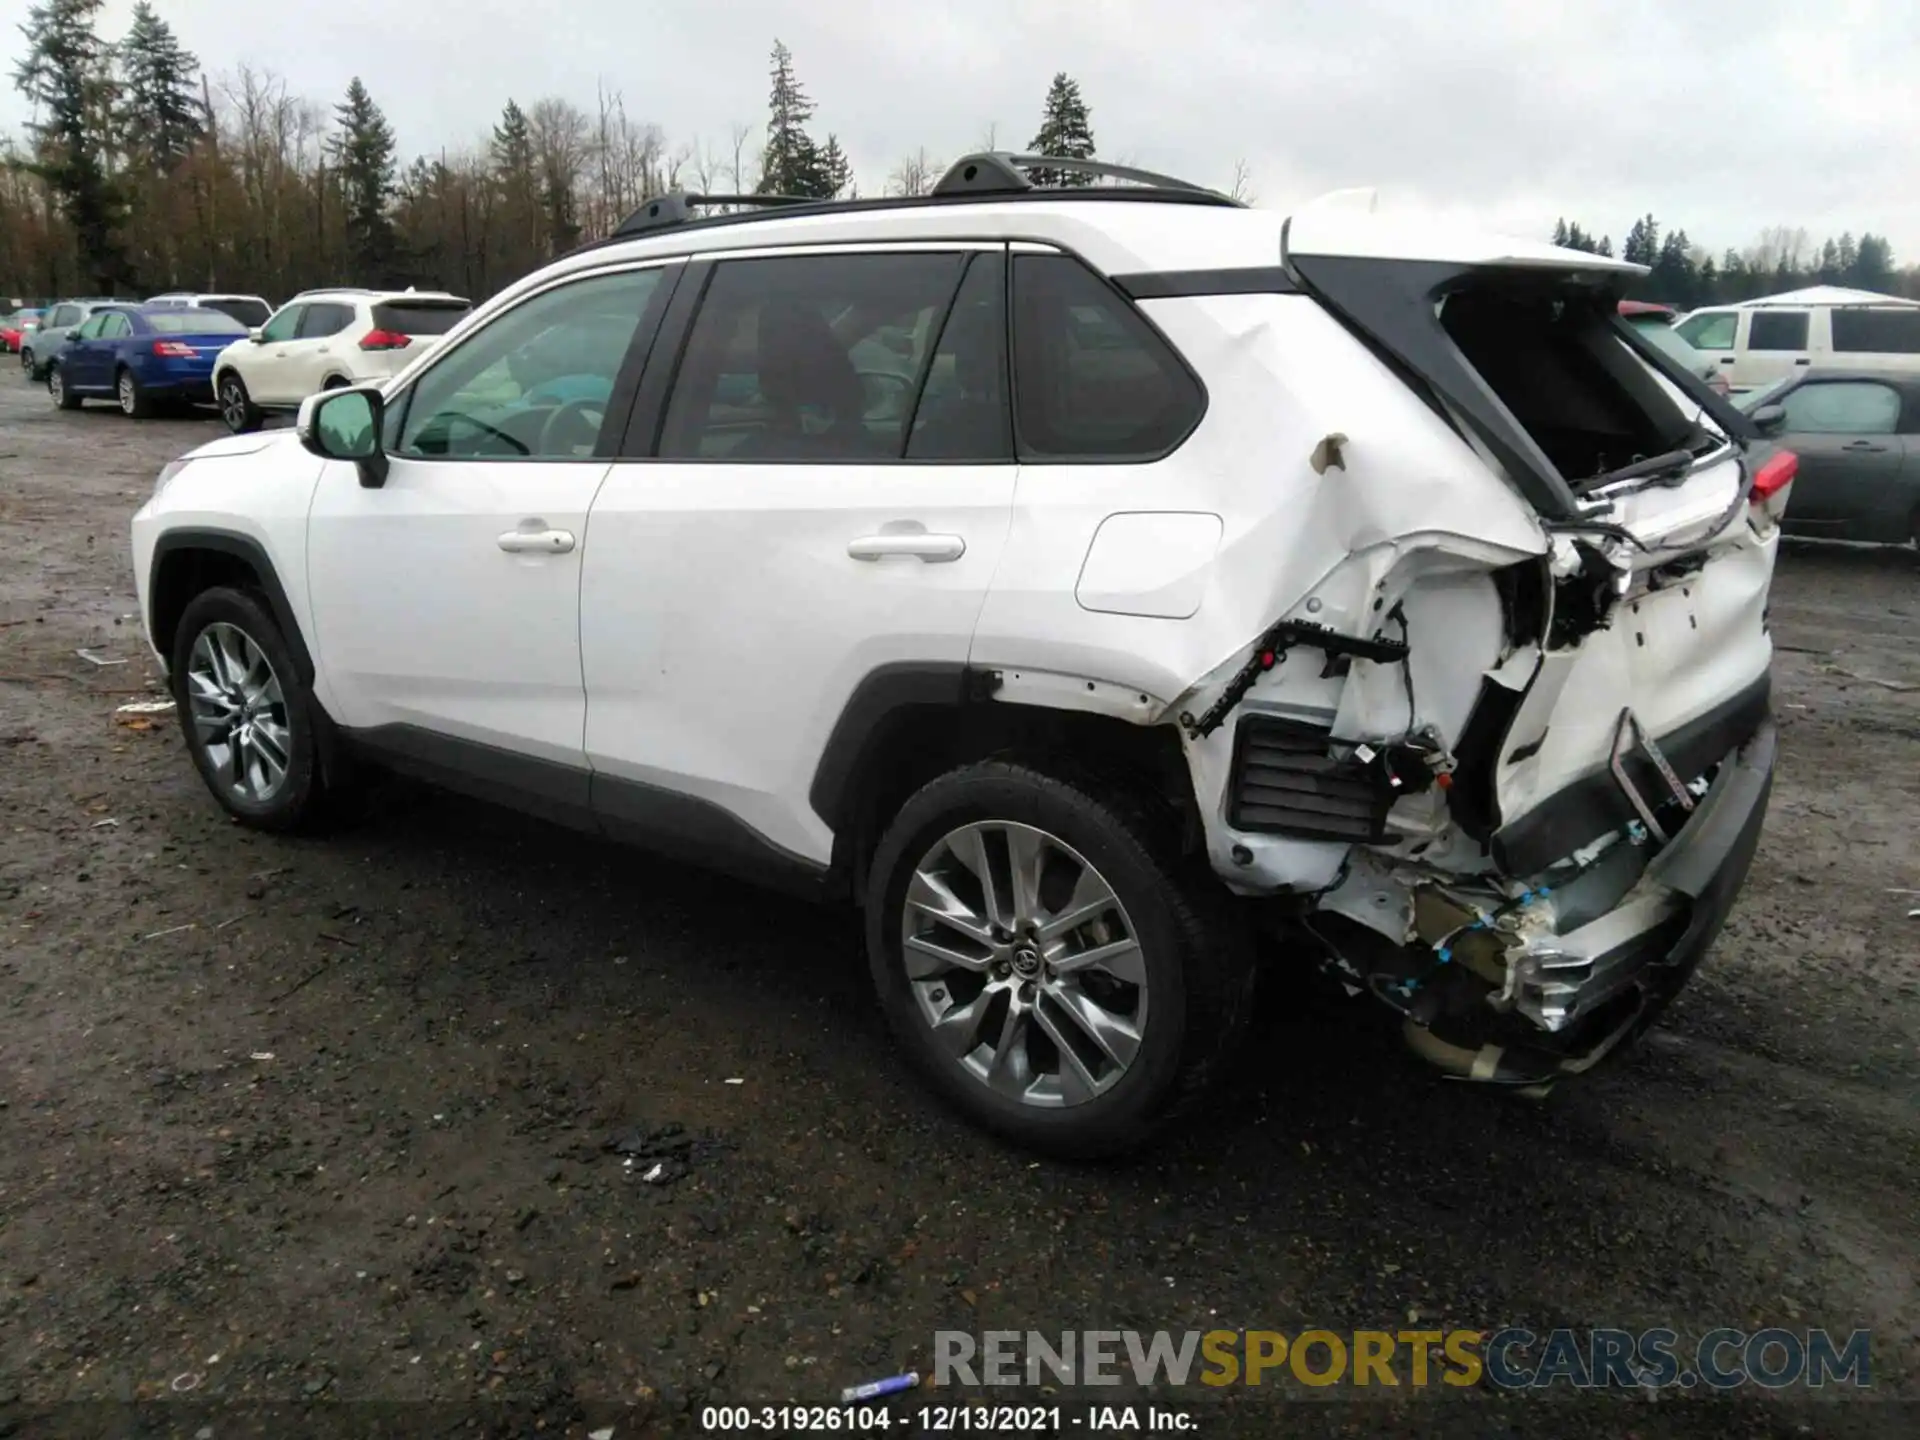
x=574 y=412
x=901 y=384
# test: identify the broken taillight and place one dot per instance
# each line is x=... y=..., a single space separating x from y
x=1774 y=476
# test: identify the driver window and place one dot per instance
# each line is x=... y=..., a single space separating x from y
x=91 y=330
x=534 y=383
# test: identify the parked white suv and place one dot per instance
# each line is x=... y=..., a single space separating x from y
x=324 y=339
x=1115 y=592
x=249 y=310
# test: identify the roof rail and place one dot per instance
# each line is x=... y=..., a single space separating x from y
x=998 y=172
x=678 y=207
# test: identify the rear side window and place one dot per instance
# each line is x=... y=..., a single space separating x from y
x=1876 y=332
x=1843 y=407
x=417 y=317
x=194 y=322
x=1777 y=330
x=963 y=414
x=323 y=320
x=1709 y=332
x=1091 y=379
x=808 y=357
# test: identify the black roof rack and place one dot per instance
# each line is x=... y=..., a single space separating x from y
x=678 y=208
x=998 y=172
x=993 y=177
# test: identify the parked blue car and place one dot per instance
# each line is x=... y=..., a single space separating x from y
x=141 y=356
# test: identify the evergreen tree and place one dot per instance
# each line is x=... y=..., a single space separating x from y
x=1847 y=258
x=833 y=173
x=1873 y=265
x=1605 y=247
x=1829 y=271
x=512 y=145
x=363 y=155
x=1707 y=285
x=64 y=75
x=792 y=164
x=1560 y=232
x=1673 y=277
x=160 y=115
x=1066 y=132
x=1643 y=242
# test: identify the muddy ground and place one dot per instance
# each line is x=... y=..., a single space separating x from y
x=318 y=1125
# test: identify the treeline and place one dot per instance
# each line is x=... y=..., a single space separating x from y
x=142 y=172
x=1688 y=275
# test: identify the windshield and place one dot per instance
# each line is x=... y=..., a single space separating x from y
x=194 y=322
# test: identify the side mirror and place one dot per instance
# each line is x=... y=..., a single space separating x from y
x=256 y=335
x=345 y=425
x=74 y=333
x=1769 y=419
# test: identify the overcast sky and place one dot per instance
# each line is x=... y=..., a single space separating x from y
x=1723 y=118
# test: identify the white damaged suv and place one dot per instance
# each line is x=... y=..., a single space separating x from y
x=1117 y=592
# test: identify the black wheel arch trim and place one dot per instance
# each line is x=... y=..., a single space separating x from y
x=241 y=547
x=839 y=777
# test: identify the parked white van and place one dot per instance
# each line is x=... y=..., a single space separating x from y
x=1759 y=342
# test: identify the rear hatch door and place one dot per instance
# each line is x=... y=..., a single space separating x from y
x=1650 y=613
x=423 y=319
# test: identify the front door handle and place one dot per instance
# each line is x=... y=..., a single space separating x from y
x=1866 y=445
x=933 y=549
x=537 y=542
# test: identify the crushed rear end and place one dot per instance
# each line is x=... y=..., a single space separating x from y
x=1508 y=773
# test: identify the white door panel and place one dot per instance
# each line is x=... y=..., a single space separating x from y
x=724 y=623
x=442 y=600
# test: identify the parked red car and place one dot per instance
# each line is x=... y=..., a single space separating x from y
x=11 y=327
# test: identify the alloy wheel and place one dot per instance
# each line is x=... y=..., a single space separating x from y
x=239 y=713
x=1023 y=963
x=126 y=394
x=56 y=387
x=233 y=405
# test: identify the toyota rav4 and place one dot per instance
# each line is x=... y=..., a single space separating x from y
x=1116 y=592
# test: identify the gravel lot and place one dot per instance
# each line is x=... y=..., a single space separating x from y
x=305 y=1124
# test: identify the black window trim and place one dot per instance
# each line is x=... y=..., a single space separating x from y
x=1047 y=247
x=1186 y=284
x=626 y=378
x=646 y=425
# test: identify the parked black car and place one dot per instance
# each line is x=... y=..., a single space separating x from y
x=1857 y=433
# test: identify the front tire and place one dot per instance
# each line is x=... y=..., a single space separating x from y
x=1052 y=967
x=26 y=362
x=58 y=392
x=250 y=721
x=237 y=409
x=135 y=403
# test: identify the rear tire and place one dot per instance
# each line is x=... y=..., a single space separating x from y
x=135 y=403
x=26 y=362
x=237 y=409
x=250 y=722
x=1150 y=1026
x=57 y=389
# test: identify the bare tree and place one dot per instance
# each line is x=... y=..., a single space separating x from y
x=1242 y=188
x=914 y=175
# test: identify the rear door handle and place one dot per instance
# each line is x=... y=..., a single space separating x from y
x=537 y=542
x=1867 y=445
x=933 y=549
x=1804 y=360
